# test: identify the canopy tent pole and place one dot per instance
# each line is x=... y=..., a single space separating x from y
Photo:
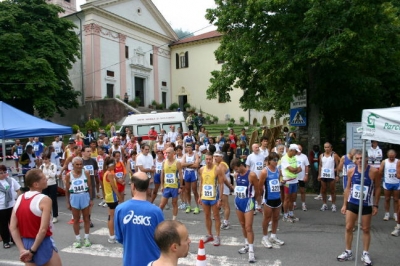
x=360 y=204
x=3 y=144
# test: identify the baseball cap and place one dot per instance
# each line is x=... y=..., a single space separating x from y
x=218 y=153
x=71 y=140
x=294 y=147
x=202 y=148
x=152 y=127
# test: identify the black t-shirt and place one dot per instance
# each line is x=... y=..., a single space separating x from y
x=90 y=165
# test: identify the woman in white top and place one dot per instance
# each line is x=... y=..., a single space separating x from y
x=9 y=188
x=49 y=169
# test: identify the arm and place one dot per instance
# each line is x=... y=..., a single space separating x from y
x=340 y=166
x=261 y=182
x=180 y=173
x=347 y=190
x=201 y=185
x=382 y=169
x=162 y=177
x=67 y=185
x=184 y=163
x=254 y=181
x=373 y=173
x=306 y=173
x=221 y=178
x=319 y=167
x=53 y=172
x=196 y=162
x=111 y=178
x=89 y=183
x=337 y=159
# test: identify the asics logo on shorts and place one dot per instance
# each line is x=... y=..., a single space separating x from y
x=137 y=219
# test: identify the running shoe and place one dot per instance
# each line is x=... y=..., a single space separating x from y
x=319 y=197
x=333 y=208
x=287 y=219
x=55 y=220
x=217 y=241
x=252 y=258
x=395 y=217
x=182 y=206
x=366 y=259
x=91 y=224
x=188 y=208
x=330 y=198
x=244 y=249
x=192 y=209
x=324 y=207
x=386 y=217
x=266 y=243
x=207 y=238
x=105 y=205
x=396 y=231
x=275 y=240
x=196 y=210
x=345 y=256
x=87 y=242
x=304 y=207
x=112 y=240
x=77 y=244
x=294 y=218
x=101 y=203
x=225 y=226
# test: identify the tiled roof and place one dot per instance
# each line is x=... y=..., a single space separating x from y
x=207 y=35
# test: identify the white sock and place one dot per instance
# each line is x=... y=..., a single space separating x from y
x=273 y=235
x=303 y=203
x=265 y=237
x=348 y=251
x=78 y=237
x=86 y=236
x=173 y=217
x=112 y=237
x=365 y=252
x=246 y=242
x=251 y=248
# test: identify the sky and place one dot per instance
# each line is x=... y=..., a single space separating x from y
x=187 y=15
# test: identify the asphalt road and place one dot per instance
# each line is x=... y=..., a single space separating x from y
x=317 y=239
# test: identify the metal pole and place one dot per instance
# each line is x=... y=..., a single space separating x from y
x=360 y=203
x=3 y=144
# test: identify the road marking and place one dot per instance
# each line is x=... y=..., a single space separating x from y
x=96 y=250
x=10 y=262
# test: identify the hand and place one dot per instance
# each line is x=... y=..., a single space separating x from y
x=374 y=211
x=25 y=256
x=69 y=206
x=337 y=179
x=199 y=200
x=91 y=203
x=319 y=178
x=219 y=203
x=343 y=210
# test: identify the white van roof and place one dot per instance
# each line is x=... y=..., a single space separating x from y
x=152 y=118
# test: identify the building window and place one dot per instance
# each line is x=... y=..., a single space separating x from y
x=110 y=73
x=126 y=52
x=182 y=60
x=68 y=1
x=164 y=83
x=151 y=59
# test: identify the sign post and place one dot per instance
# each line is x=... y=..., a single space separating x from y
x=298 y=111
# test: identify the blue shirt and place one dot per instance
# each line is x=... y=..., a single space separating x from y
x=355 y=191
x=272 y=185
x=135 y=222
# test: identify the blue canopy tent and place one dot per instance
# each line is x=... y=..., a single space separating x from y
x=17 y=124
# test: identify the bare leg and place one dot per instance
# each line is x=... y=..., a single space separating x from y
x=350 y=221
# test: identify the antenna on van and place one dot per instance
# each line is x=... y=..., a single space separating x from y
x=179 y=109
x=131 y=113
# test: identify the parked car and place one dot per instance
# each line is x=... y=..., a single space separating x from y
x=9 y=144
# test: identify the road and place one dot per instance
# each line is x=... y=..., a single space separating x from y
x=317 y=239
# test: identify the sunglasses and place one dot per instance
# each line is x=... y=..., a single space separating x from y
x=275 y=160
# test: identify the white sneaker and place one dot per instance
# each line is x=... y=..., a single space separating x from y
x=333 y=208
x=266 y=243
x=244 y=249
x=396 y=231
x=386 y=217
x=330 y=198
x=105 y=205
x=252 y=258
x=366 y=259
x=112 y=240
x=101 y=203
x=304 y=207
x=55 y=220
x=319 y=197
x=395 y=217
x=275 y=240
x=324 y=207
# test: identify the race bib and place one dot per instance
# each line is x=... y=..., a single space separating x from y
x=159 y=168
x=132 y=165
x=100 y=164
x=170 y=178
x=57 y=149
x=391 y=173
x=208 y=191
x=19 y=151
x=78 y=186
x=357 y=192
x=90 y=169
x=326 y=173
x=36 y=147
x=259 y=166
x=274 y=185
x=241 y=192
x=119 y=175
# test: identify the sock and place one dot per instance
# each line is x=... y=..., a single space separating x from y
x=290 y=213
x=303 y=203
x=246 y=242
x=285 y=215
x=365 y=252
x=348 y=251
x=173 y=217
x=86 y=236
x=294 y=203
x=78 y=237
x=251 y=248
x=265 y=237
x=273 y=235
x=112 y=237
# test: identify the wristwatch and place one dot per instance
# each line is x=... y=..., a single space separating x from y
x=31 y=251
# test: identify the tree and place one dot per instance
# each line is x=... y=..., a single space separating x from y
x=345 y=54
x=182 y=34
x=36 y=50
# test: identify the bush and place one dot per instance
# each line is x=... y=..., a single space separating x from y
x=173 y=106
x=186 y=106
x=232 y=120
x=154 y=103
x=258 y=124
x=92 y=125
x=215 y=119
x=230 y=124
x=75 y=128
x=246 y=124
x=107 y=128
x=241 y=119
x=137 y=101
x=133 y=103
x=99 y=120
x=160 y=106
x=117 y=96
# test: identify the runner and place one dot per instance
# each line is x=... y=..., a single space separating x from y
x=345 y=164
x=78 y=191
x=120 y=174
x=375 y=154
x=101 y=156
x=247 y=188
x=329 y=161
x=17 y=150
x=218 y=159
x=112 y=197
x=158 y=162
x=264 y=146
x=255 y=162
x=211 y=181
x=170 y=184
x=34 y=239
x=190 y=162
x=90 y=165
x=391 y=184
x=269 y=179
x=302 y=161
x=351 y=198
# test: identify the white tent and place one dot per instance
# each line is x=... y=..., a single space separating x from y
x=380 y=125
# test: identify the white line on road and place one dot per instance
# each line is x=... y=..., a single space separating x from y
x=10 y=262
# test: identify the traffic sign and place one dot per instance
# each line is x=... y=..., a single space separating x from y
x=298 y=117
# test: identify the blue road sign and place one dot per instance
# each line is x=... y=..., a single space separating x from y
x=298 y=117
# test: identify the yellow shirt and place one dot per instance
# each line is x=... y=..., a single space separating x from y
x=110 y=194
x=209 y=184
x=170 y=174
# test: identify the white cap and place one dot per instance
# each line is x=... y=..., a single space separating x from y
x=294 y=147
x=202 y=148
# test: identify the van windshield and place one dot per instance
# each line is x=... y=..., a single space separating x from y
x=143 y=130
x=166 y=127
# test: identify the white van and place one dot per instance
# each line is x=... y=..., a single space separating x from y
x=140 y=124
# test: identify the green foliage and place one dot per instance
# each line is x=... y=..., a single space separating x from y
x=133 y=103
x=232 y=120
x=154 y=103
x=173 y=106
x=137 y=101
x=75 y=128
x=241 y=119
x=186 y=105
x=99 y=121
x=246 y=124
x=231 y=125
x=182 y=34
x=117 y=96
x=160 y=106
x=215 y=119
x=37 y=50
x=92 y=124
x=344 y=53
x=258 y=124
x=108 y=126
